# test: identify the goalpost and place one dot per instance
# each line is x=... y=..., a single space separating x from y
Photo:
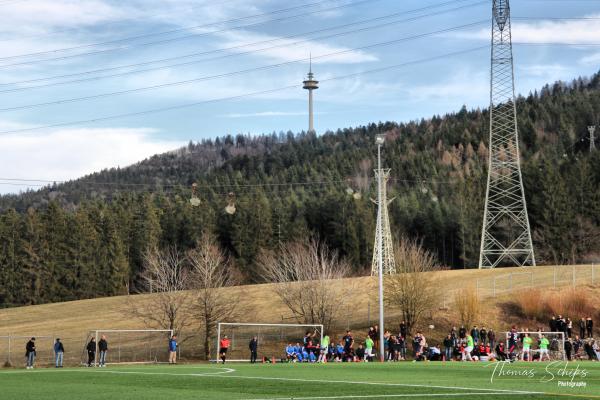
x=556 y=347
x=272 y=338
x=130 y=346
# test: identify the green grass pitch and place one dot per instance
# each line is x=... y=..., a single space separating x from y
x=434 y=380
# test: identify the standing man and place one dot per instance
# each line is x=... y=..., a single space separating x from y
x=59 y=352
x=544 y=343
x=349 y=342
x=224 y=346
x=582 y=328
x=103 y=348
x=91 y=349
x=448 y=347
x=253 y=346
x=30 y=353
x=173 y=350
x=590 y=327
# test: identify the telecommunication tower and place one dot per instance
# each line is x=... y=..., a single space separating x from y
x=310 y=84
x=506 y=234
x=592 y=130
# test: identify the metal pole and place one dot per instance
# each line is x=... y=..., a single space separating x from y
x=9 y=348
x=96 y=352
x=574 y=276
x=380 y=258
x=218 y=338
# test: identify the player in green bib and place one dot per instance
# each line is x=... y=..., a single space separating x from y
x=369 y=343
x=324 y=349
x=527 y=341
x=544 y=343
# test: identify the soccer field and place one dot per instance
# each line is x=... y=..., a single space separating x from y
x=304 y=381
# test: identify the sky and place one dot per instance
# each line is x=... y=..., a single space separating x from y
x=67 y=67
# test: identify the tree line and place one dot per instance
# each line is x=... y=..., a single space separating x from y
x=87 y=238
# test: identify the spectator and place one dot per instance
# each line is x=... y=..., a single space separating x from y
x=290 y=353
x=402 y=347
x=403 y=329
x=582 y=326
x=376 y=333
x=475 y=334
x=577 y=345
x=59 y=351
x=560 y=324
x=568 y=348
x=224 y=346
x=253 y=346
x=552 y=324
x=434 y=353
x=491 y=338
x=483 y=335
x=462 y=332
x=454 y=335
x=103 y=348
x=91 y=350
x=512 y=342
x=30 y=353
x=589 y=324
x=448 y=347
x=500 y=353
x=369 y=343
x=360 y=353
x=173 y=350
x=339 y=351
x=544 y=348
x=569 y=327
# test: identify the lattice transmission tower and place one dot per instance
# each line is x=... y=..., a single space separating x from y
x=506 y=234
x=383 y=252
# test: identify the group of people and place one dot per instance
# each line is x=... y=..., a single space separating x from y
x=92 y=347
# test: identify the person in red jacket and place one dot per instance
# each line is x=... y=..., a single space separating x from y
x=224 y=345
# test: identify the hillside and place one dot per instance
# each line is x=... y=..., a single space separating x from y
x=86 y=238
x=71 y=321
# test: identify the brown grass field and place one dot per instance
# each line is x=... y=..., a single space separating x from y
x=71 y=321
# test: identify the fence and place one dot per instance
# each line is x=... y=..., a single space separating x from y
x=539 y=277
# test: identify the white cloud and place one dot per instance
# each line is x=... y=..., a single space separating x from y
x=288 y=51
x=466 y=87
x=71 y=153
x=265 y=114
x=545 y=31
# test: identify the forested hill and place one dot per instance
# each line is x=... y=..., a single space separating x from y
x=86 y=238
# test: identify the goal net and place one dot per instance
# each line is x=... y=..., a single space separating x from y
x=12 y=349
x=272 y=339
x=130 y=346
x=556 y=345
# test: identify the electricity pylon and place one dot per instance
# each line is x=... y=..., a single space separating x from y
x=383 y=252
x=591 y=130
x=506 y=234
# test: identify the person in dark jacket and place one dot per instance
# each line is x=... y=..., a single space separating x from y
x=462 y=332
x=491 y=338
x=589 y=324
x=253 y=346
x=448 y=347
x=552 y=324
x=103 y=349
x=59 y=351
x=582 y=328
x=30 y=353
x=568 y=348
x=483 y=335
x=91 y=350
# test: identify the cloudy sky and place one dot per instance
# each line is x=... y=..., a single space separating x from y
x=67 y=67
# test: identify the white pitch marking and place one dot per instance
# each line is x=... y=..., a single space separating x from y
x=374 y=396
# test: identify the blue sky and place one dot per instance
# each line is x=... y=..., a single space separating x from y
x=34 y=33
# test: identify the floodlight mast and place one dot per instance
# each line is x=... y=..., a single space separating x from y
x=506 y=234
x=380 y=140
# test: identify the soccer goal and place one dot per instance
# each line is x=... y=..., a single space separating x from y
x=272 y=339
x=556 y=346
x=130 y=346
x=12 y=349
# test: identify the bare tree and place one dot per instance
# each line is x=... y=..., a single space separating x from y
x=304 y=272
x=165 y=275
x=412 y=290
x=468 y=305
x=210 y=274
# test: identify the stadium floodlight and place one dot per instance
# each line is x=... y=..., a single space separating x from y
x=272 y=338
x=194 y=200
x=131 y=346
x=230 y=208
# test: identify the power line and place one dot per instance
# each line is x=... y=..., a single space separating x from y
x=125 y=47
x=360 y=22
x=174 y=30
x=239 y=72
x=188 y=105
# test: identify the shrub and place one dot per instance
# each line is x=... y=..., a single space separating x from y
x=576 y=303
x=531 y=304
x=467 y=305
